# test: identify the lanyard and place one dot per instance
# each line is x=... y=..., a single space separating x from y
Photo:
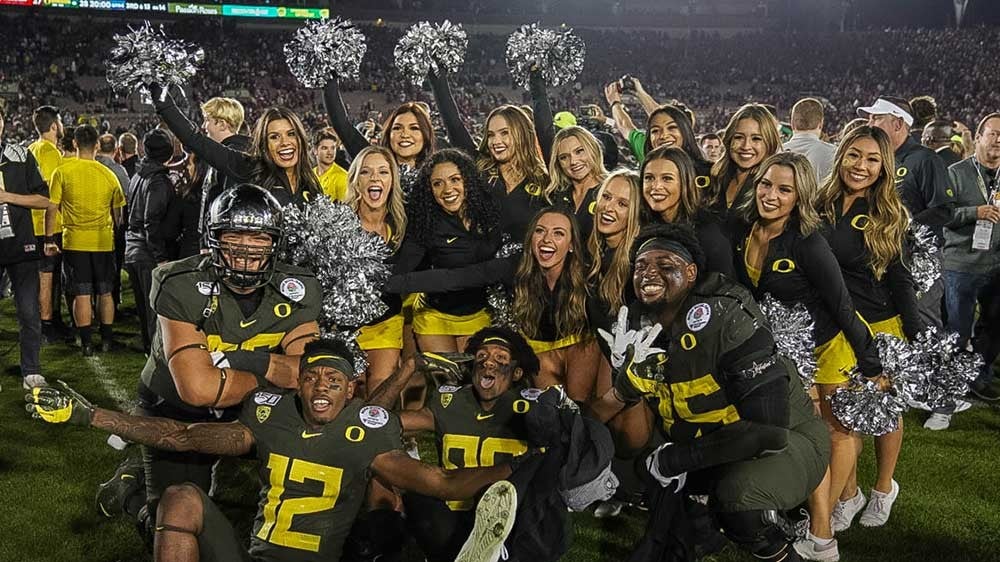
x=987 y=192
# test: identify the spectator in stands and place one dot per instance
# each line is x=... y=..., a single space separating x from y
x=22 y=190
x=937 y=136
x=46 y=153
x=924 y=111
x=332 y=177
x=145 y=241
x=807 y=128
x=711 y=147
x=128 y=145
x=107 y=146
x=222 y=120
x=90 y=198
x=971 y=269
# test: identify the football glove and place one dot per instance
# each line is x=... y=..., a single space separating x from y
x=59 y=406
x=653 y=466
x=619 y=338
x=445 y=367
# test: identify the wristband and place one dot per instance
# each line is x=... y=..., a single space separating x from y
x=618 y=102
x=255 y=362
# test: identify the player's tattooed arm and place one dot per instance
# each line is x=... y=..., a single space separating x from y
x=387 y=393
x=223 y=439
x=400 y=470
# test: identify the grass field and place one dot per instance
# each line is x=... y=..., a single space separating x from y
x=948 y=509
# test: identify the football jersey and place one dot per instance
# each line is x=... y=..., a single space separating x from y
x=49 y=158
x=686 y=385
x=189 y=290
x=313 y=481
x=468 y=436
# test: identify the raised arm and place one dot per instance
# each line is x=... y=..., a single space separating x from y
x=623 y=122
x=540 y=106
x=399 y=469
x=647 y=101
x=228 y=161
x=336 y=110
x=498 y=270
x=457 y=133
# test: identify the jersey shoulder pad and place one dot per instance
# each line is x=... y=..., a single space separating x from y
x=723 y=307
x=180 y=289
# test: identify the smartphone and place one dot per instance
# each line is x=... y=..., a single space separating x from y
x=627 y=83
x=375 y=116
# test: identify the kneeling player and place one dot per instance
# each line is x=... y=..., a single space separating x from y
x=739 y=427
x=317 y=449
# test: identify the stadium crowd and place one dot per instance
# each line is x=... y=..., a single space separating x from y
x=659 y=200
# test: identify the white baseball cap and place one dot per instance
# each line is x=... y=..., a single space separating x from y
x=883 y=106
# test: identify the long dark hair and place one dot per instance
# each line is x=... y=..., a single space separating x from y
x=267 y=173
x=423 y=121
x=481 y=208
x=689 y=142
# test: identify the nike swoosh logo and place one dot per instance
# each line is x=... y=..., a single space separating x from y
x=245 y=324
x=309 y=435
x=450 y=240
x=481 y=417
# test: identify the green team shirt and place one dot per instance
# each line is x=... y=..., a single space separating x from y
x=470 y=437
x=313 y=482
x=190 y=291
x=686 y=385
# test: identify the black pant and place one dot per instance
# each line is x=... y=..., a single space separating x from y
x=141 y=275
x=987 y=331
x=24 y=282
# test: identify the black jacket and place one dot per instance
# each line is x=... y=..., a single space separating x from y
x=20 y=175
x=182 y=224
x=923 y=185
x=146 y=234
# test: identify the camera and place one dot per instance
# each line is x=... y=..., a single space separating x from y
x=627 y=83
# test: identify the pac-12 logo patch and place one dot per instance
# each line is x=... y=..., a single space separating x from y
x=263 y=412
x=698 y=317
x=374 y=416
x=293 y=289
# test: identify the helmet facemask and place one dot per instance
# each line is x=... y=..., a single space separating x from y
x=244 y=265
x=245 y=236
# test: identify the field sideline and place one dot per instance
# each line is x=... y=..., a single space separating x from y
x=948 y=508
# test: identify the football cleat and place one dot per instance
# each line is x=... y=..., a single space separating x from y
x=495 y=516
x=129 y=479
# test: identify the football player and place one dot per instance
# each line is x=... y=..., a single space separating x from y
x=317 y=447
x=228 y=322
x=738 y=426
x=476 y=424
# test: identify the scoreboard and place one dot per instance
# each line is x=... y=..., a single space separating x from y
x=225 y=10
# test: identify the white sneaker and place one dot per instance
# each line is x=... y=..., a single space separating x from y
x=961 y=406
x=495 y=516
x=938 y=422
x=877 y=512
x=32 y=381
x=918 y=404
x=810 y=549
x=844 y=512
x=610 y=508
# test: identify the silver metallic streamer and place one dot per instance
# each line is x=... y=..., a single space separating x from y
x=499 y=298
x=925 y=259
x=792 y=329
x=558 y=53
x=325 y=49
x=349 y=262
x=426 y=47
x=145 y=55
x=931 y=369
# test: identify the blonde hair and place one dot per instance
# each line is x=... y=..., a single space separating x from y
x=531 y=288
x=806 y=191
x=227 y=110
x=726 y=168
x=527 y=156
x=396 y=216
x=611 y=285
x=558 y=180
x=888 y=219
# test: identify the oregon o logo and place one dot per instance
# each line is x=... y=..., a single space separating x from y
x=784 y=265
x=591 y=207
x=521 y=406
x=533 y=190
x=860 y=222
x=354 y=434
x=282 y=310
x=688 y=341
x=902 y=171
x=703 y=181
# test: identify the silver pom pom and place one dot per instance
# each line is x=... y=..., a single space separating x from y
x=925 y=258
x=558 y=53
x=349 y=262
x=325 y=49
x=146 y=55
x=498 y=298
x=792 y=329
x=431 y=47
x=930 y=369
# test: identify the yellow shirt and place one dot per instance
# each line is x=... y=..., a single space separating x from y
x=334 y=182
x=86 y=191
x=49 y=158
